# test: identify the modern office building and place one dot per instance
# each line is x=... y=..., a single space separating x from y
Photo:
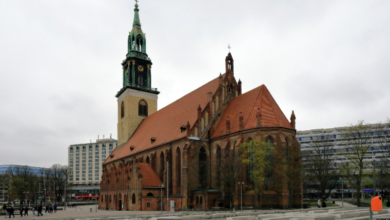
x=377 y=140
x=85 y=163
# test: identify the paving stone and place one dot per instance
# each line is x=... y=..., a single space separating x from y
x=314 y=218
x=242 y=218
x=246 y=213
x=222 y=215
x=348 y=215
x=277 y=218
x=319 y=211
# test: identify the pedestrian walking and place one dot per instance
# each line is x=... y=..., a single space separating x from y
x=34 y=209
x=11 y=212
x=40 y=210
x=21 y=209
x=7 y=210
x=26 y=211
x=55 y=208
x=46 y=208
x=319 y=203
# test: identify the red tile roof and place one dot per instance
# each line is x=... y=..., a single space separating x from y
x=149 y=177
x=164 y=125
x=248 y=104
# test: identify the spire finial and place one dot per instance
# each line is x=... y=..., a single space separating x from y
x=136 y=21
x=229 y=47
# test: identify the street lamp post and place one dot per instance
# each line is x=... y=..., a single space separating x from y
x=96 y=199
x=167 y=186
x=241 y=183
x=26 y=192
x=161 y=201
x=44 y=190
x=342 y=193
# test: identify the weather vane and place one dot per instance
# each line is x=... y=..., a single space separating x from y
x=229 y=47
x=136 y=1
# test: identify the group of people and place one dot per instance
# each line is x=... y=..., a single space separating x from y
x=71 y=205
x=24 y=210
x=321 y=203
x=9 y=210
x=21 y=210
x=50 y=209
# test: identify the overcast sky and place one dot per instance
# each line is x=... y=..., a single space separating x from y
x=60 y=62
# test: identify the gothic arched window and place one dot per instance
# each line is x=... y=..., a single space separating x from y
x=162 y=163
x=122 y=110
x=219 y=164
x=142 y=108
x=133 y=199
x=202 y=168
x=178 y=168
x=250 y=166
x=139 y=43
x=269 y=173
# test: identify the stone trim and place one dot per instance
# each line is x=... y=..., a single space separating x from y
x=137 y=93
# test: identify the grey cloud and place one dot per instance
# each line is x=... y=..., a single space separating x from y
x=60 y=62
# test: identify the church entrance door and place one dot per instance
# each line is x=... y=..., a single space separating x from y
x=120 y=205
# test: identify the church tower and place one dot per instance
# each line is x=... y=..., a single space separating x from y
x=136 y=99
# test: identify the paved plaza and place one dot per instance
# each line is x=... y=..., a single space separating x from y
x=348 y=213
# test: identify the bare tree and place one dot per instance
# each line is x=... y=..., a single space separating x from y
x=358 y=145
x=320 y=166
x=229 y=172
x=258 y=157
x=65 y=172
x=292 y=170
x=381 y=176
x=20 y=181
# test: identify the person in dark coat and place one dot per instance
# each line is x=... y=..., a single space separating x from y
x=11 y=212
x=40 y=210
x=26 y=211
x=21 y=211
x=5 y=207
x=55 y=208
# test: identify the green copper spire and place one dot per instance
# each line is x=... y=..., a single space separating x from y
x=137 y=40
x=137 y=67
x=136 y=21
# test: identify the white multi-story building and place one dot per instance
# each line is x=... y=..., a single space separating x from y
x=85 y=163
x=376 y=138
x=339 y=144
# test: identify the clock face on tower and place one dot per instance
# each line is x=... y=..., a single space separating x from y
x=140 y=68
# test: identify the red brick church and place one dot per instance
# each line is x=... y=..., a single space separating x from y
x=177 y=149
